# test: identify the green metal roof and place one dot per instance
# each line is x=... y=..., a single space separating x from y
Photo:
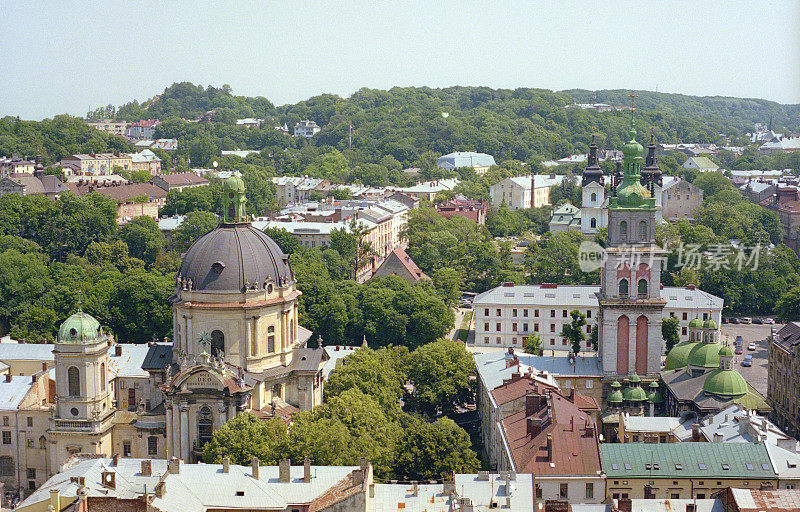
x=615 y=397
x=634 y=394
x=710 y=325
x=678 y=357
x=747 y=461
x=705 y=355
x=696 y=323
x=80 y=328
x=725 y=383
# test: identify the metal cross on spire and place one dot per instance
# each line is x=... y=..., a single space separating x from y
x=633 y=97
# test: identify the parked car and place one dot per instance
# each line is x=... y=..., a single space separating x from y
x=738 y=351
x=751 y=346
x=746 y=320
x=769 y=321
x=734 y=320
x=725 y=319
x=739 y=341
x=748 y=360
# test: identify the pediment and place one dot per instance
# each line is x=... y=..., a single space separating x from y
x=199 y=377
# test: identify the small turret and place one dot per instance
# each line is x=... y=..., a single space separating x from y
x=593 y=172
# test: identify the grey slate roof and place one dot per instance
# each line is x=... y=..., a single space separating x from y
x=13 y=351
x=158 y=356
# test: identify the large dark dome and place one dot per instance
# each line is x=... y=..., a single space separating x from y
x=235 y=257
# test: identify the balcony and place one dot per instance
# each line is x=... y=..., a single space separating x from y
x=80 y=425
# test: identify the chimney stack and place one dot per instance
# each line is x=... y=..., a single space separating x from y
x=226 y=464
x=307 y=470
x=8 y=377
x=284 y=470
x=147 y=467
x=695 y=431
x=161 y=489
x=255 y=468
x=115 y=460
x=174 y=466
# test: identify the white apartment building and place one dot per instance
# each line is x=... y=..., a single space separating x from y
x=295 y=189
x=523 y=192
x=507 y=315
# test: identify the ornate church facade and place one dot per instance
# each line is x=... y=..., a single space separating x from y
x=237 y=347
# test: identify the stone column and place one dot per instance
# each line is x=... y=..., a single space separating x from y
x=186 y=449
x=247 y=351
x=169 y=450
x=190 y=341
x=186 y=336
x=231 y=409
x=176 y=430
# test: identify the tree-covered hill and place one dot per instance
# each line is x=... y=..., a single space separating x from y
x=404 y=123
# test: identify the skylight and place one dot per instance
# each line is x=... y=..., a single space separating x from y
x=679 y=467
x=614 y=465
x=765 y=466
x=726 y=467
x=627 y=467
x=701 y=466
x=749 y=466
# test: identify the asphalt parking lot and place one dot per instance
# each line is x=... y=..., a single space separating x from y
x=755 y=375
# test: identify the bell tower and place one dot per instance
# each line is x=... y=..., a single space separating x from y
x=84 y=411
x=631 y=307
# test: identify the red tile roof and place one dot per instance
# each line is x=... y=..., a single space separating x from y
x=122 y=193
x=183 y=178
x=517 y=387
x=407 y=262
x=553 y=420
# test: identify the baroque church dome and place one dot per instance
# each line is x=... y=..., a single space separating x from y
x=705 y=355
x=80 y=328
x=235 y=256
x=678 y=356
x=725 y=383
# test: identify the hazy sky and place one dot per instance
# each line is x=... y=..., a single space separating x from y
x=62 y=56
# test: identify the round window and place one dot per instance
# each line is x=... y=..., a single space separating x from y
x=269 y=288
x=73 y=332
x=74 y=411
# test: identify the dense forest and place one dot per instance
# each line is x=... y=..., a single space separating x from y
x=402 y=124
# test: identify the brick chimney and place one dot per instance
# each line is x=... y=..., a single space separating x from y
x=625 y=505
x=174 y=466
x=695 y=432
x=147 y=467
x=284 y=470
x=307 y=470
x=255 y=468
x=226 y=464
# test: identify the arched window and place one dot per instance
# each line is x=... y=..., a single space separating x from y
x=642 y=288
x=217 y=343
x=594 y=197
x=42 y=443
x=593 y=222
x=205 y=426
x=292 y=334
x=276 y=391
x=642 y=231
x=623 y=230
x=623 y=287
x=73 y=381
x=102 y=376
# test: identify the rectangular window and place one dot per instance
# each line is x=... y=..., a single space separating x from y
x=536 y=313
x=563 y=490
x=6 y=437
x=30 y=421
x=152 y=445
x=270 y=344
x=513 y=312
x=131 y=399
x=552 y=327
x=564 y=313
x=675 y=496
x=705 y=316
x=535 y=327
x=590 y=490
x=538 y=491
x=126 y=448
x=486 y=312
x=499 y=312
x=525 y=313
x=486 y=339
x=524 y=327
x=685 y=316
x=588 y=313
x=552 y=313
x=498 y=340
x=514 y=326
x=31 y=473
x=486 y=326
x=589 y=384
x=683 y=331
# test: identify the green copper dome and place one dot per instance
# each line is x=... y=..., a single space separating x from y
x=710 y=324
x=696 y=323
x=233 y=184
x=616 y=384
x=725 y=383
x=634 y=394
x=678 y=357
x=80 y=328
x=726 y=352
x=634 y=378
x=705 y=355
x=632 y=148
x=655 y=397
x=615 y=397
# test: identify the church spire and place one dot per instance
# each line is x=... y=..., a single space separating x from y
x=592 y=171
